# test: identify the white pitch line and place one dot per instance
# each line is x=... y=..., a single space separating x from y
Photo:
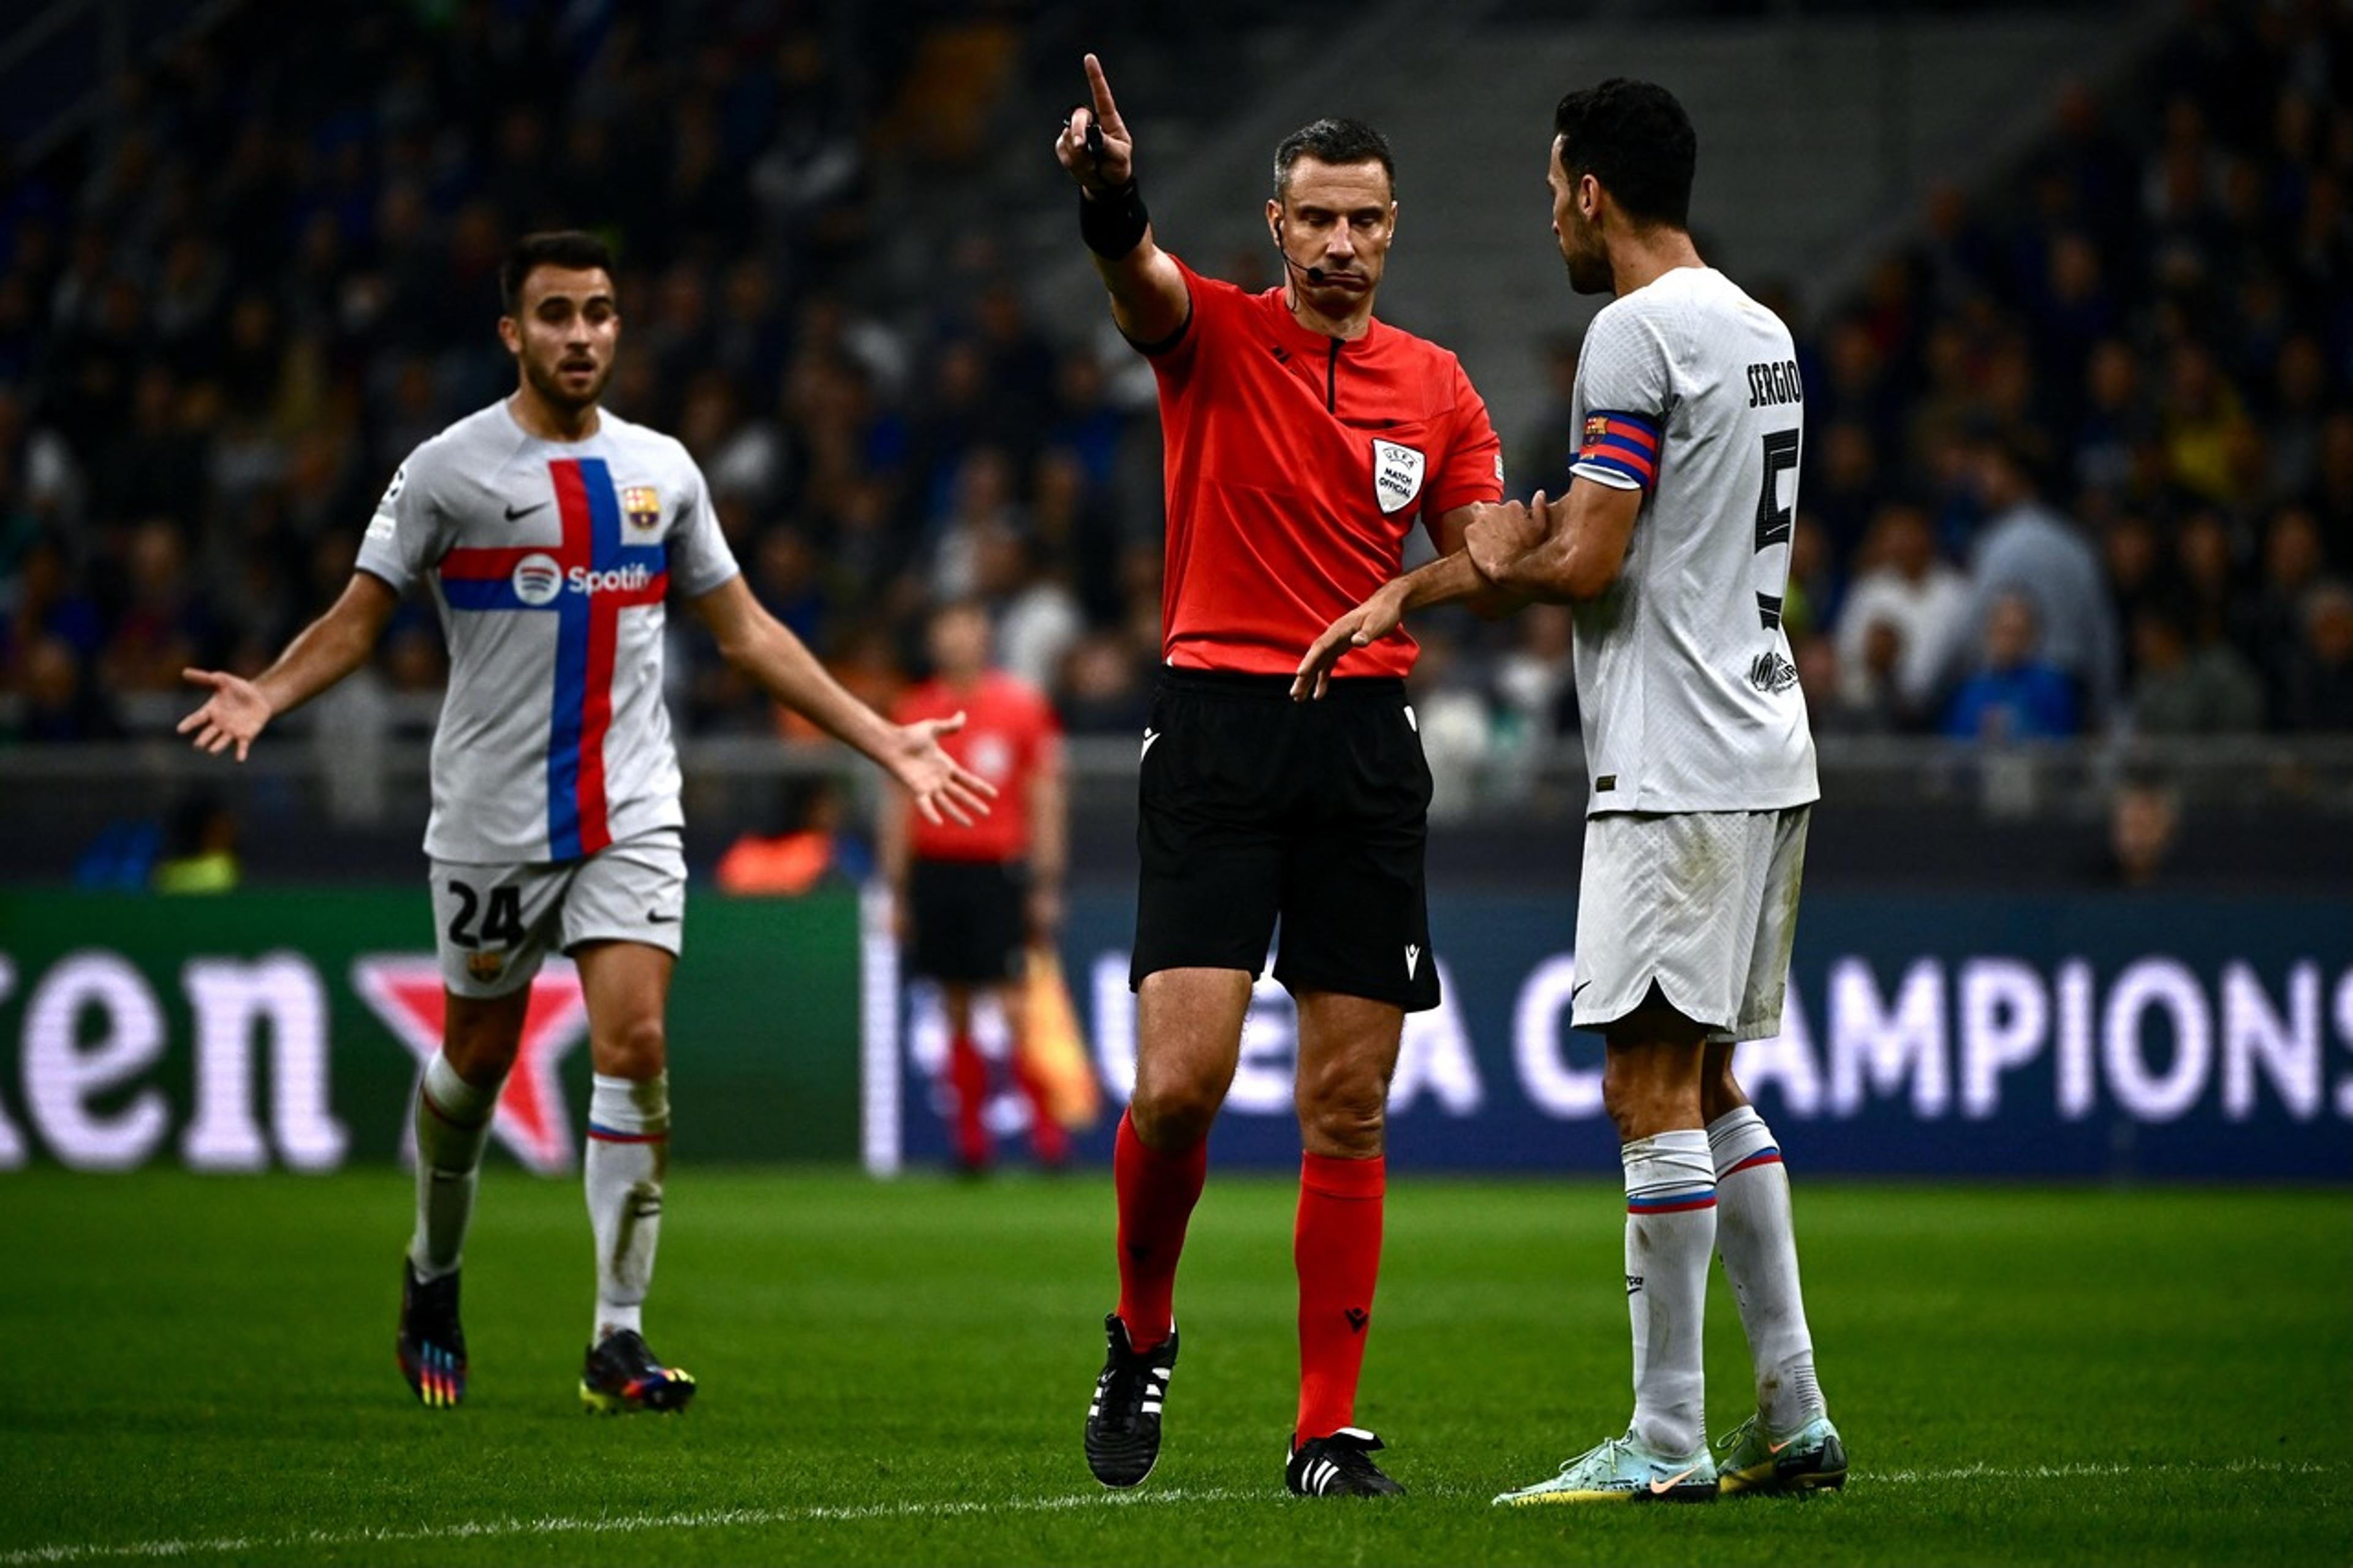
x=746 y=1518
x=611 y=1524
x=2084 y=1472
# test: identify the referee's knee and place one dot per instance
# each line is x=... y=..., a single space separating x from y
x=1348 y=1123
x=1173 y=1110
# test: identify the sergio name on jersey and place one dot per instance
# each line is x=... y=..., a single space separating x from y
x=550 y=562
x=1688 y=390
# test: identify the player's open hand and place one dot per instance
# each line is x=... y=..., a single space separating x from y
x=1499 y=535
x=1368 y=623
x=232 y=716
x=944 y=789
x=1094 y=145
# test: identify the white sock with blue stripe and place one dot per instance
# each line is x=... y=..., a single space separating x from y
x=1670 y=1232
x=1758 y=1240
x=628 y=1153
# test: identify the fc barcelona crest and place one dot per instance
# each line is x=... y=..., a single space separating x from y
x=641 y=505
x=1397 y=475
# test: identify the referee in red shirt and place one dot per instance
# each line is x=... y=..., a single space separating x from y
x=970 y=898
x=1302 y=439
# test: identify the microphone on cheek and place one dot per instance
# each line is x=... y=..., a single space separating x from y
x=1316 y=277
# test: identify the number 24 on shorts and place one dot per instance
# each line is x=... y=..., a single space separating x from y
x=502 y=921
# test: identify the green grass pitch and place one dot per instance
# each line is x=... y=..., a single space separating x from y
x=897 y=1374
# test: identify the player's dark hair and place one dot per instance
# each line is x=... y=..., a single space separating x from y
x=572 y=248
x=1337 y=141
x=1635 y=138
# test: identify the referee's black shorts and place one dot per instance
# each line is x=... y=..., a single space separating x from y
x=968 y=920
x=1254 y=807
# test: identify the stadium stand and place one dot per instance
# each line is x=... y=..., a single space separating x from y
x=2112 y=374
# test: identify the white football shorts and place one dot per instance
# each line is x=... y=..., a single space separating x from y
x=494 y=925
x=1703 y=904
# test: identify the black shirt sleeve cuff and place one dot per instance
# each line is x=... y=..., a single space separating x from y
x=1160 y=346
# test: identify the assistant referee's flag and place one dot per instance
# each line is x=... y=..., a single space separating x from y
x=1052 y=1048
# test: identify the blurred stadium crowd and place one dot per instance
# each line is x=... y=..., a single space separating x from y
x=2080 y=460
x=2083 y=458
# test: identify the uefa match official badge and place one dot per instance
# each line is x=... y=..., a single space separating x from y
x=1397 y=475
x=641 y=505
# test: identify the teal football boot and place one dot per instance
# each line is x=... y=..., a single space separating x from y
x=1624 y=1470
x=1809 y=1459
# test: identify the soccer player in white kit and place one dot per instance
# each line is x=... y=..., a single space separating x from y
x=1671 y=542
x=550 y=532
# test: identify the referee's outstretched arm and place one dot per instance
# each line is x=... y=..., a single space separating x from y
x=1148 y=298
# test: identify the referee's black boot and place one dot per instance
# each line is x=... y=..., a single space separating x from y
x=1339 y=1466
x=1123 y=1422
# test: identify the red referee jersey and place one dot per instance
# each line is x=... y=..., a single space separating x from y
x=1010 y=729
x=1296 y=465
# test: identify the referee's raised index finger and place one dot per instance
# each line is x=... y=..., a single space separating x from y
x=1100 y=86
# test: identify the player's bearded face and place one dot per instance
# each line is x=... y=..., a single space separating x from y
x=1580 y=236
x=564 y=332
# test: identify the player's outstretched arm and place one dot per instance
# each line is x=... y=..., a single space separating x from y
x=328 y=649
x=1560 y=552
x=1451 y=579
x=763 y=648
x=1148 y=298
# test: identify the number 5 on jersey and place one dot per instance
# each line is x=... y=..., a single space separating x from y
x=1773 y=525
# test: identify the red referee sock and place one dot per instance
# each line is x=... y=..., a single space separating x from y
x=1156 y=1195
x=1337 y=1249
x=968 y=1086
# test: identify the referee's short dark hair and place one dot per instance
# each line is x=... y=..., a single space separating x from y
x=567 y=248
x=1333 y=141
x=1635 y=138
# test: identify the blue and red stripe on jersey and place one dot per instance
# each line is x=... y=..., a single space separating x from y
x=587 y=633
x=1621 y=443
x=1766 y=1156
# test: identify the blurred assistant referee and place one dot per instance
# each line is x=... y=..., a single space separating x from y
x=1304 y=439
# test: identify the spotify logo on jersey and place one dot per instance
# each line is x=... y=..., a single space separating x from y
x=537 y=580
